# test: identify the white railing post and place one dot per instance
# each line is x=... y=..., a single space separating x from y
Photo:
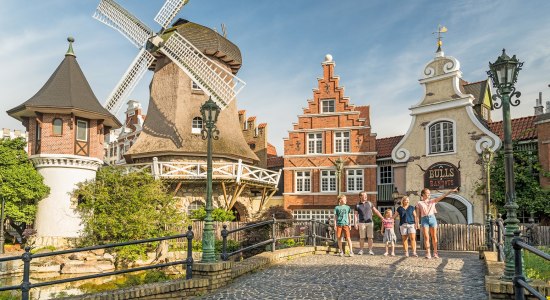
x=156 y=169
x=278 y=177
x=239 y=171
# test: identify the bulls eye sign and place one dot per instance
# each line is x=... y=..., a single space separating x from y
x=441 y=176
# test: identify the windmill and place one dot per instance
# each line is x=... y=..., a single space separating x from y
x=220 y=84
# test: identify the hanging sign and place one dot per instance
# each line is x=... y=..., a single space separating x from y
x=441 y=176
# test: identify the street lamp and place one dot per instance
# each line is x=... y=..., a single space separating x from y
x=210 y=112
x=504 y=73
x=339 y=163
x=2 y=239
x=487 y=158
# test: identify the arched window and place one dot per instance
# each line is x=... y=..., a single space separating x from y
x=441 y=137
x=57 y=127
x=196 y=127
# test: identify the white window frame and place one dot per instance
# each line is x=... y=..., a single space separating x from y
x=326 y=109
x=195 y=86
x=384 y=170
x=357 y=180
x=437 y=126
x=327 y=181
x=383 y=208
x=321 y=215
x=79 y=128
x=315 y=143
x=196 y=127
x=342 y=143
x=302 y=179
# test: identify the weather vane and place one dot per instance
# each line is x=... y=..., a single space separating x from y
x=440 y=30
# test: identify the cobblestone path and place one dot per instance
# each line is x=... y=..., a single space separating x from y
x=454 y=276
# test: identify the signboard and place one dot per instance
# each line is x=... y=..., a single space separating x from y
x=442 y=176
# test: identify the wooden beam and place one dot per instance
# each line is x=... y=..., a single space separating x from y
x=238 y=190
x=225 y=195
x=264 y=200
x=177 y=188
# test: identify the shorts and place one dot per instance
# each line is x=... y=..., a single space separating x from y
x=366 y=230
x=339 y=229
x=407 y=229
x=428 y=221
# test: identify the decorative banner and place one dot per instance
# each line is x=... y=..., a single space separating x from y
x=441 y=176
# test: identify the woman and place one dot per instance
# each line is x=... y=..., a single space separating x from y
x=408 y=224
x=427 y=212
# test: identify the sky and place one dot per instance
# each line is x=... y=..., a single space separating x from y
x=380 y=49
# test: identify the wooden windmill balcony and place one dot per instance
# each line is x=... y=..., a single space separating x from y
x=239 y=174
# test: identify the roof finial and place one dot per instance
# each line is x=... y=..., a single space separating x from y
x=70 y=50
x=440 y=30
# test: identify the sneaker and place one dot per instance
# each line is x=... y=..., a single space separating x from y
x=386 y=254
x=436 y=255
x=351 y=254
x=393 y=254
x=370 y=252
x=415 y=255
x=428 y=256
x=360 y=252
x=406 y=254
x=341 y=254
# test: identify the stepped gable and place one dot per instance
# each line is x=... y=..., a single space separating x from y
x=66 y=91
x=384 y=146
x=523 y=129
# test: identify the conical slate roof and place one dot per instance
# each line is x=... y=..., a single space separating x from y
x=67 y=91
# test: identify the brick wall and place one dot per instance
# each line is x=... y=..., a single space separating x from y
x=543 y=136
x=255 y=136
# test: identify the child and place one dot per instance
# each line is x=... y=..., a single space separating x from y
x=387 y=230
x=342 y=220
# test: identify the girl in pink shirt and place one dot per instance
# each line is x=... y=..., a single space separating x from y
x=426 y=211
x=389 y=234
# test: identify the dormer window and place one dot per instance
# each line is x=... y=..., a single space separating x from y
x=196 y=127
x=57 y=127
x=327 y=106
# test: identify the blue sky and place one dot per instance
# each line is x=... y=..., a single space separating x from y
x=380 y=49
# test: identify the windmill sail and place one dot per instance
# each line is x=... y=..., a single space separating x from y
x=115 y=16
x=213 y=79
x=168 y=11
x=129 y=80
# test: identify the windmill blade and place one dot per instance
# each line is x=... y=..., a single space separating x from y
x=168 y=11
x=212 y=78
x=115 y=16
x=129 y=80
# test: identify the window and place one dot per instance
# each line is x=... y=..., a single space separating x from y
x=382 y=209
x=328 y=181
x=441 y=137
x=37 y=146
x=354 y=180
x=195 y=86
x=57 y=127
x=315 y=143
x=303 y=181
x=194 y=206
x=341 y=141
x=321 y=215
x=485 y=113
x=81 y=130
x=327 y=106
x=196 y=127
x=385 y=175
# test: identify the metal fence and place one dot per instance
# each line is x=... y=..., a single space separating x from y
x=27 y=257
x=520 y=282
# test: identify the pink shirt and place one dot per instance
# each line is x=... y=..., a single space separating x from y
x=387 y=222
x=427 y=207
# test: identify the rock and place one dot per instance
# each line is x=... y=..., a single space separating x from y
x=108 y=257
x=80 y=268
x=98 y=252
x=46 y=268
x=77 y=256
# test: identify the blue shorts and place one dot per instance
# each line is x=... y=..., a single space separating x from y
x=428 y=221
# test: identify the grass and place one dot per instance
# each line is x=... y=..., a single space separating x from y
x=537 y=267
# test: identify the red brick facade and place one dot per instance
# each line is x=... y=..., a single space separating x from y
x=543 y=132
x=332 y=120
x=51 y=143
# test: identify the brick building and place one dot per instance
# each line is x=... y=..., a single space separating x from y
x=331 y=129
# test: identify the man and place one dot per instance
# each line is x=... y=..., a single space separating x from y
x=363 y=221
x=342 y=221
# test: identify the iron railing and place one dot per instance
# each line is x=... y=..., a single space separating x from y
x=313 y=230
x=26 y=257
x=520 y=282
x=497 y=238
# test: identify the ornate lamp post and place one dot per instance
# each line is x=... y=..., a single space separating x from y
x=339 y=163
x=504 y=73
x=210 y=112
x=487 y=158
x=2 y=239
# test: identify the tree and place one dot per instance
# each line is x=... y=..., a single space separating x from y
x=218 y=214
x=118 y=207
x=529 y=194
x=21 y=185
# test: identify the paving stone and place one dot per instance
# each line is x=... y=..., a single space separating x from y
x=457 y=276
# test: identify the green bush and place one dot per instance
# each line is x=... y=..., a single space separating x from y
x=218 y=214
x=10 y=295
x=537 y=267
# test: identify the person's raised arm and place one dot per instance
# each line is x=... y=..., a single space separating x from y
x=375 y=210
x=396 y=215
x=445 y=195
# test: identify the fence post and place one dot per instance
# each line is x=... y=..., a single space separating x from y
x=224 y=242
x=499 y=235
x=273 y=234
x=491 y=234
x=519 y=292
x=25 y=285
x=189 y=260
x=313 y=225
